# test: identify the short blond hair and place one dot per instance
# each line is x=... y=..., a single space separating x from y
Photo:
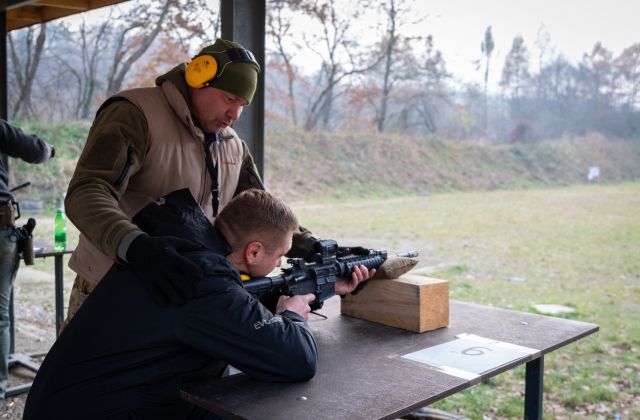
x=255 y=215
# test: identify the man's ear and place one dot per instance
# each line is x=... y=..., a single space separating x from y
x=253 y=251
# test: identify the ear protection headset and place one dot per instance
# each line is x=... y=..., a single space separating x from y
x=204 y=69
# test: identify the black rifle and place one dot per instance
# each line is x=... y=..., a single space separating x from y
x=319 y=276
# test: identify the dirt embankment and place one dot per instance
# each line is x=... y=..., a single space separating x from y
x=302 y=165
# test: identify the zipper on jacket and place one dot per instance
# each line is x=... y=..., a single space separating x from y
x=212 y=170
x=204 y=185
x=127 y=165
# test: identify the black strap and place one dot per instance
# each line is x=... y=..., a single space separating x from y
x=213 y=170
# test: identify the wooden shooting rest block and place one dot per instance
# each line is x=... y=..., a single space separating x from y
x=410 y=302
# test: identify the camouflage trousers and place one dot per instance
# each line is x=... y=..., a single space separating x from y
x=81 y=289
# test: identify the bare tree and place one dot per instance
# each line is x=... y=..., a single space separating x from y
x=53 y=96
x=544 y=46
x=25 y=66
x=394 y=51
x=279 y=28
x=83 y=63
x=433 y=85
x=93 y=42
x=515 y=79
x=486 y=47
x=191 y=25
x=627 y=64
x=339 y=55
x=597 y=77
x=139 y=28
x=193 y=22
x=182 y=24
x=515 y=73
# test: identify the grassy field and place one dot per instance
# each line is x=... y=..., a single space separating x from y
x=575 y=246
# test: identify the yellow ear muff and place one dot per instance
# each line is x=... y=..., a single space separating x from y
x=201 y=70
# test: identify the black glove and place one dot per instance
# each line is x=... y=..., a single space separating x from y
x=344 y=251
x=157 y=262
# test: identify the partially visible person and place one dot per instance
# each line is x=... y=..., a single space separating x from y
x=31 y=149
x=124 y=356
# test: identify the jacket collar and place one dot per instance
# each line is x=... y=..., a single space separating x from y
x=176 y=92
x=178 y=214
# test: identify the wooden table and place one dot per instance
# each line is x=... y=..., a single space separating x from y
x=362 y=373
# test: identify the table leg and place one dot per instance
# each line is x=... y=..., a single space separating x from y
x=12 y=328
x=59 y=275
x=533 y=389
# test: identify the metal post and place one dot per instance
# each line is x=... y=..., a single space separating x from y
x=4 y=95
x=3 y=66
x=243 y=21
x=59 y=278
x=533 y=389
x=12 y=322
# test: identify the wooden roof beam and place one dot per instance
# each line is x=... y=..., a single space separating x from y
x=12 y=4
x=29 y=14
x=21 y=14
x=77 y=5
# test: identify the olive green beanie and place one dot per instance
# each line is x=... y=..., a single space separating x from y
x=238 y=77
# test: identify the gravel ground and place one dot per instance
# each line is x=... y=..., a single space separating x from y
x=35 y=333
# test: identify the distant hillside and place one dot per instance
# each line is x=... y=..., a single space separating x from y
x=303 y=165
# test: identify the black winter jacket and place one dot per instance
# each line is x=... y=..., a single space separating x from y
x=123 y=357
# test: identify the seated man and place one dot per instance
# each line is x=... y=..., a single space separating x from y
x=126 y=357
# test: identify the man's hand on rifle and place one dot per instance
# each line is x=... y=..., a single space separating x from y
x=359 y=275
x=298 y=304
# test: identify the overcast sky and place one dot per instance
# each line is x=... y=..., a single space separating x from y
x=574 y=27
x=458 y=28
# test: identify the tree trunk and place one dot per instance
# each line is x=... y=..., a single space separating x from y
x=120 y=67
x=25 y=75
x=386 y=84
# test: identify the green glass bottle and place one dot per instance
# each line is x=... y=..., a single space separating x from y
x=60 y=229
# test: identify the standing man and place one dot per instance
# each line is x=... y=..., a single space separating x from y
x=31 y=149
x=147 y=142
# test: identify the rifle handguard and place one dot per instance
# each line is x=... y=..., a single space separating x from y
x=318 y=278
